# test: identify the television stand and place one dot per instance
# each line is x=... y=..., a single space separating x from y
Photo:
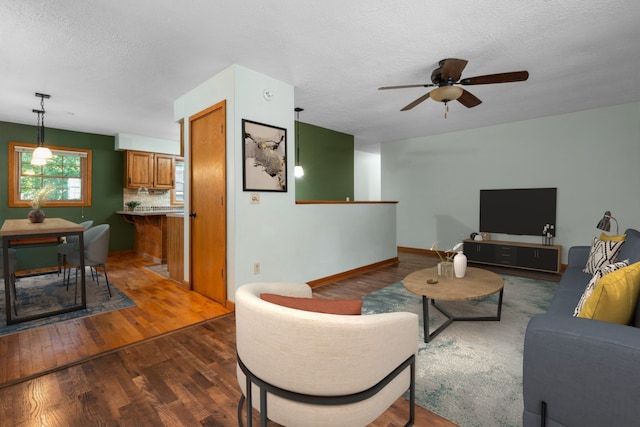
x=529 y=256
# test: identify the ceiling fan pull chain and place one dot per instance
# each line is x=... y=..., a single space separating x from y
x=446 y=109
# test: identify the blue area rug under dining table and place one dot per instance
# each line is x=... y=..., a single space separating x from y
x=36 y=294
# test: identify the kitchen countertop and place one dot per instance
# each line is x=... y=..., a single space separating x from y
x=156 y=212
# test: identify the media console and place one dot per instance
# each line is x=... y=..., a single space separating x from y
x=528 y=256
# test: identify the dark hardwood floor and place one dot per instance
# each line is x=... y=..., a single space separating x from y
x=155 y=365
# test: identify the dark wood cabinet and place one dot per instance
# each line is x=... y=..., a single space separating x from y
x=476 y=251
x=514 y=254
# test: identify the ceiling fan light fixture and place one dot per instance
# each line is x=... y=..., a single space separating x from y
x=446 y=93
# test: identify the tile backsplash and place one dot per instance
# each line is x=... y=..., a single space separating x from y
x=147 y=198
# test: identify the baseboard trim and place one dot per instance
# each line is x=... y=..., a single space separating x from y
x=354 y=272
x=427 y=252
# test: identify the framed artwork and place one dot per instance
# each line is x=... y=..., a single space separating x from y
x=264 y=155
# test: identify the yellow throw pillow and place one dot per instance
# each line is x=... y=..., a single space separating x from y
x=619 y=238
x=614 y=297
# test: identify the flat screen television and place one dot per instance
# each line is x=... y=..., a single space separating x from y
x=519 y=211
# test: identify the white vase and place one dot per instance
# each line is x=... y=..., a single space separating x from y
x=460 y=264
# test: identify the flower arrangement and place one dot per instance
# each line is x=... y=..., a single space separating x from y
x=449 y=253
x=40 y=198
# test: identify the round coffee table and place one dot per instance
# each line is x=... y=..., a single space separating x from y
x=477 y=283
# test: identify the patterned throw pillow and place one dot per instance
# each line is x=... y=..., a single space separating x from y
x=604 y=270
x=603 y=252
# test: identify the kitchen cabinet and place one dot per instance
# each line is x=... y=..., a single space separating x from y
x=528 y=256
x=175 y=247
x=149 y=170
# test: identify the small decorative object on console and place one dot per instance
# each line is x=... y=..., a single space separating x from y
x=547 y=234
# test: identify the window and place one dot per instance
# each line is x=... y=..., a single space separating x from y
x=177 y=194
x=68 y=172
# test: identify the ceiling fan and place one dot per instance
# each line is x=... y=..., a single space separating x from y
x=447 y=78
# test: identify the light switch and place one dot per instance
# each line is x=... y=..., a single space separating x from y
x=255 y=198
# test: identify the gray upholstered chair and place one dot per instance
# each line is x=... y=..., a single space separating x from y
x=13 y=267
x=302 y=368
x=96 y=252
x=70 y=245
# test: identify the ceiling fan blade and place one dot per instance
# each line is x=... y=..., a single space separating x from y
x=405 y=86
x=416 y=102
x=515 y=76
x=452 y=68
x=468 y=99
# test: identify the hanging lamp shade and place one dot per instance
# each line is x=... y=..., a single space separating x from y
x=41 y=153
x=298 y=171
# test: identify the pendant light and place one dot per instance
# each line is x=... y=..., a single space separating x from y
x=41 y=153
x=298 y=171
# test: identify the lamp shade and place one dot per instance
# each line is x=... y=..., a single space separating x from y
x=38 y=161
x=42 y=153
x=298 y=171
x=605 y=223
x=446 y=93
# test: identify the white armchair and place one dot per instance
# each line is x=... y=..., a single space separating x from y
x=317 y=369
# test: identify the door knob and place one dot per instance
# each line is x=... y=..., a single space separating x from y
x=192 y=214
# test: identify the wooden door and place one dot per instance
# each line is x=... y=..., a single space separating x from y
x=207 y=210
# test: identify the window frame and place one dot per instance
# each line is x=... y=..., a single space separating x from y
x=14 y=171
x=173 y=201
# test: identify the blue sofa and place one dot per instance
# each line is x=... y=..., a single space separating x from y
x=587 y=372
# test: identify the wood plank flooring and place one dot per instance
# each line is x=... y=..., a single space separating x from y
x=145 y=366
x=161 y=306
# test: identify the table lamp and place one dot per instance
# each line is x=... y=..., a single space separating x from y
x=605 y=223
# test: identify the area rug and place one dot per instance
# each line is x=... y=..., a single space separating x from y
x=471 y=374
x=37 y=294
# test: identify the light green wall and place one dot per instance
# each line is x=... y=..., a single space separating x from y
x=327 y=158
x=592 y=158
x=107 y=172
x=292 y=242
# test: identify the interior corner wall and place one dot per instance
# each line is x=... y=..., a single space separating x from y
x=327 y=157
x=367 y=176
x=294 y=243
x=216 y=89
x=590 y=156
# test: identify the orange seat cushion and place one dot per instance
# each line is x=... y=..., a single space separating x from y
x=318 y=305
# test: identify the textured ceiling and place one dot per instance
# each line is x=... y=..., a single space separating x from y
x=117 y=66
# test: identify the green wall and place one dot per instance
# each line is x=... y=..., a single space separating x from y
x=327 y=159
x=107 y=171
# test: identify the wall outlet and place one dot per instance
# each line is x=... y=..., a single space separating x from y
x=256 y=268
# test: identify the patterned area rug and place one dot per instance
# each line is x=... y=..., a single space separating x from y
x=471 y=373
x=38 y=294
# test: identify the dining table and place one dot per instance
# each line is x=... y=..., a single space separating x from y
x=23 y=231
